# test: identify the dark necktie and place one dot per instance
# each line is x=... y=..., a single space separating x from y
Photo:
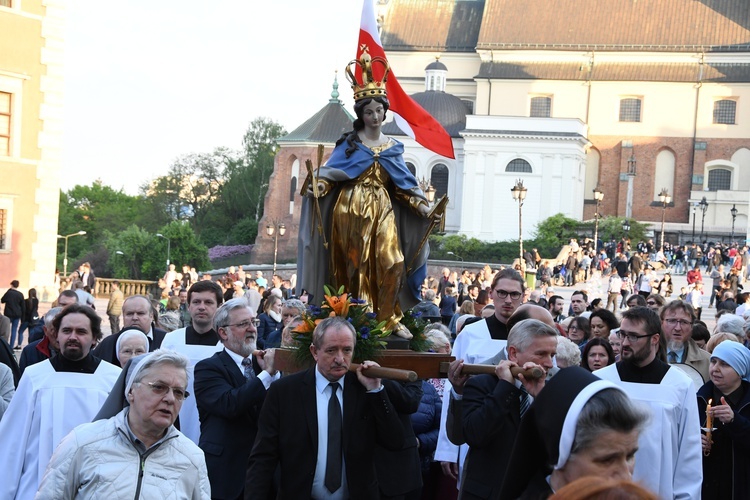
x=333 y=460
x=672 y=357
x=525 y=401
x=247 y=364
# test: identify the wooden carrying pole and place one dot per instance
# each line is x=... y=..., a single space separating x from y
x=531 y=374
x=388 y=373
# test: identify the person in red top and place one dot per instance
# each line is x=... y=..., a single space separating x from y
x=694 y=275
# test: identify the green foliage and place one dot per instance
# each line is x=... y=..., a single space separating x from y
x=554 y=232
x=610 y=228
x=96 y=209
x=144 y=254
x=472 y=249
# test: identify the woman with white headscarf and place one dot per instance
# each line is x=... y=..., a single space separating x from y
x=579 y=425
x=131 y=342
x=138 y=453
x=726 y=457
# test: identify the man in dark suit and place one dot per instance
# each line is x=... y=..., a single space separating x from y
x=136 y=313
x=322 y=450
x=400 y=471
x=494 y=404
x=230 y=387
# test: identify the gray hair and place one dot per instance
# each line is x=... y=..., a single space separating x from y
x=294 y=304
x=51 y=315
x=157 y=358
x=221 y=317
x=438 y=335
x=730 y=323
x=607 y=410
x=329 y=324
x=568 y=353
x=429 y=294
x=527 y=331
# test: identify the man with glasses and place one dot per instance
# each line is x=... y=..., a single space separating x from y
x=677 y=318
x=668 y=461
x=476 y=342
x=197 y=341
x=53 y=397
x=230 y=388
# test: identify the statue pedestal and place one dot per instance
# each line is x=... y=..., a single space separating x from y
x=425 y=364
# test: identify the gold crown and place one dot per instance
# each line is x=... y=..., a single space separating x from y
x=369 y=87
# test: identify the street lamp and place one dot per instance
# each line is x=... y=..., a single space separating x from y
x=626 y=227
x=270 y=230
x=455 y=255
x=169 y=244
x=65 y=256
x=695 y=205
x=598 y=196
x=665 y=200
x=734 y=216
x=704 y=207
x=519 y=194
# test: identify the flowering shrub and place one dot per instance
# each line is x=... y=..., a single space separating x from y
x=223 y=252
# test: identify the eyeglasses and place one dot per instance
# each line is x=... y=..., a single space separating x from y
x=244 y=324
x=161 y=389
x=651 y=303
x=573 y=328
x=675 y=322
x=133 y=352
x=503 y=294
x=632 y=337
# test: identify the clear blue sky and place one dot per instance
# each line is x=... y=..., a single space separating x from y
x=147 y=81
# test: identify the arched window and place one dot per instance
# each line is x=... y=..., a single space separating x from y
x=720 y=179
x=724 y=111
x=592 y=174
x=293 y=184
x=411 y=168
x=519 y=165
x=439 y=179
x=292 y=188
x=664 y=175
x=541 y=107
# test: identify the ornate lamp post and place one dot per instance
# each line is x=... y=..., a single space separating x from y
x=169 y=246
x=519 y=194
x=665 y=200
x=626 y=227
x=270 y=230
x=65 y=255
x=734 y=216
x=704 y=207
x=598 y=196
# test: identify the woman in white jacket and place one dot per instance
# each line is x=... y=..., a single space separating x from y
x=138 y=453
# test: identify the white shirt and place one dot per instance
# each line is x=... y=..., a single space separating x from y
x=265 y=377
x=669 y=457
x=323 y=396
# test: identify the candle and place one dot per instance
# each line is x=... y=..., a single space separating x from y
x=709 y=427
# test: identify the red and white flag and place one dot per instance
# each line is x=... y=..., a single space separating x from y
x=410 y=116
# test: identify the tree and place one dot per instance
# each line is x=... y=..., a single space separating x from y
x=554 y=232
x=95 y=209
x=138 y=254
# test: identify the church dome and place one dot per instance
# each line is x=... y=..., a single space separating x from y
x=447 y=109
x=436 y=65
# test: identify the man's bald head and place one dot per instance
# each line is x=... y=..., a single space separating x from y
x=530 y=311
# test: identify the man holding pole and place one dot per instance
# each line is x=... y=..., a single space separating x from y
x=343 y=414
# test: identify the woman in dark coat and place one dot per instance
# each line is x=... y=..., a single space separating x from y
x=448 y=305
x=270 y=320
x=726 y=459
x=31 y=314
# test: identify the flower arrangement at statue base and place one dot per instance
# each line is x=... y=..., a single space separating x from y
x=370 y=333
